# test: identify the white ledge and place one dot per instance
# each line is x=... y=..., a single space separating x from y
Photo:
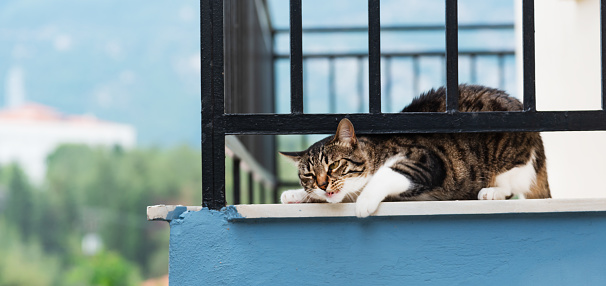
x=163 y=212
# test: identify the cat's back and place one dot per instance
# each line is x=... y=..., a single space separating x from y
x=472 y=98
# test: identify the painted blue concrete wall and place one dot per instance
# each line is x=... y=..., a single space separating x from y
x=515 y=249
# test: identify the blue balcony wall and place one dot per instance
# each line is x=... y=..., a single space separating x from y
x=215 y=247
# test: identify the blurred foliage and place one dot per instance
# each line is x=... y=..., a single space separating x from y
x=93 y=190
x=103 y=269
x=23 y=262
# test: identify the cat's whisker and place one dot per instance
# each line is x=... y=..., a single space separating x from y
x=350 y=197
x=307 y=198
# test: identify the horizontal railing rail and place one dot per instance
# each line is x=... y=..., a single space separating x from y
x=400 y=28
x=401 y=54
x=417 y=122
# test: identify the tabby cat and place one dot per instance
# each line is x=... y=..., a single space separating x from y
x=369 y=169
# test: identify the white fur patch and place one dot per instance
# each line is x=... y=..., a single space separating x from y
x=516 y=181
x=385 y=182
x=294 y=196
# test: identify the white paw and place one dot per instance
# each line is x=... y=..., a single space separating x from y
x=294 y=196
x=493 y=194
x=367 y=205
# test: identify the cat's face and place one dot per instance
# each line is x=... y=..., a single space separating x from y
x=335 y=168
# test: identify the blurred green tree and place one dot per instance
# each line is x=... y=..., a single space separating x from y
x=102 y=191
x=103 y=269
x=24 y=262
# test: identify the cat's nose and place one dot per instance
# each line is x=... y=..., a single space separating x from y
x=322 y=181
x=323 y=185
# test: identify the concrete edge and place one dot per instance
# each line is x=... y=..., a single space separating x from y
x=169 y=212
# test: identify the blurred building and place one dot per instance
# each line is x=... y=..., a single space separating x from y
x=29 y=132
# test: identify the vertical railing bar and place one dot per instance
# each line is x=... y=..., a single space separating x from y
x=212 y=85
x=374 y=56
x=296 y=57
x=219 y=105
x=261 y=192
x=251 y=188
x=207 y=103
x=416 y=71
x=472 y=69
x=388 y=84
x=452 y=57
x=236 y=178
x=528 y=55
x=603 y=49
x=332 y=94
x=501 y=59
x=276 y=172
x=276 y=197
x=361 y=84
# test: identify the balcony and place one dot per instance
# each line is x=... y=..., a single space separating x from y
x=513 y=242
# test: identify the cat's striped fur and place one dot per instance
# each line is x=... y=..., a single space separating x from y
x=461 y=166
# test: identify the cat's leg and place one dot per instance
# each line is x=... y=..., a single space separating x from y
x=298 y=196
x=385 y=182
x=516 y=181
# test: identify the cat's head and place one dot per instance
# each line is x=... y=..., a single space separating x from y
x=334 y=168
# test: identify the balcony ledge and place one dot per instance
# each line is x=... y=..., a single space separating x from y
x=425 y=208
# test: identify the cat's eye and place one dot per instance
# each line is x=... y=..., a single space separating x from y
x=308 y=175
x=333 y=166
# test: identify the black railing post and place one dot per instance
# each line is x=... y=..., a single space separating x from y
x=452 y=57
x=212 y=78
x=296 y=57
x=262 y=191
x=528 y=55
x=374 y=56
x=276 y=195
x=236 y=178
x=251 y=187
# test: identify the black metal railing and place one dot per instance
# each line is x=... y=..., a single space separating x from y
x=414 y=58
x=216 y=124
x=256 y=176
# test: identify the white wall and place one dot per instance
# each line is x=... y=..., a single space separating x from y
x=568 y=78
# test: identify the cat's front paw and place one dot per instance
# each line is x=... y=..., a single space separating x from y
x=493 y=193
x=366 y=205
x=294 y=196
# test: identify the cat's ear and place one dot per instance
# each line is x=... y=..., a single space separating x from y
x=345 y=133
x=294 y=156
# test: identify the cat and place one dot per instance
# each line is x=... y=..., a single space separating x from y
x=370 y=169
